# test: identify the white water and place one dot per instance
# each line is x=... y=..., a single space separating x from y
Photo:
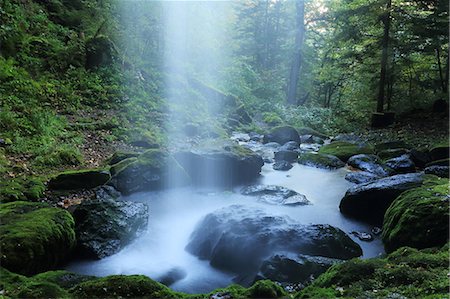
x=174 y=214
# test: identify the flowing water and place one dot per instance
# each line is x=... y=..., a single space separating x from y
x=174 y=214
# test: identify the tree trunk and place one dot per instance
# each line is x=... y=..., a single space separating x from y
x=441 y=75
x=384 y=56
x=297 y=59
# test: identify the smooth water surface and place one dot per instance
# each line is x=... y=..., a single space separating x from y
x=174 y=214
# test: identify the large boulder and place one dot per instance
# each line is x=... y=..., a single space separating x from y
x=285 y=155
x=226 y=166
x=104 y=226
x=34 y=237
x=361 y=177
x=79 y=179
x=438 y=170
x=320 y=161
x=152 y=170
x=238 y=239
x=282 y=135
x=420 y=157
x=418 y=217
x=344 y=150
x=275 y=195
x=402 y=164
x=282 y=166
x=369 y=163
x=368 y=202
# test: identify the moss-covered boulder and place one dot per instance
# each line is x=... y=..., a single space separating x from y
x=154 y=169
x=222 y=166
x=282 y=135
x=368 y=202
x=120 y=156
x=320 y=160
x=22 y=189
x=391 y=145
x=442 y=162
x=437 y=170
x=392 y=153
x=121 y=165
x=369 y=163
x=79 y=179
x=62 y=278
x=440 y=152
x=344 y=150
x=418 y=218
x=104 y=226
x=121 y=286
x=34 y=237
x=405 y=273
x=310 y=131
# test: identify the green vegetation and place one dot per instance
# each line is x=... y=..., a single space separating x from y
x=34 y=237
x=344 y=150
x=23 y=189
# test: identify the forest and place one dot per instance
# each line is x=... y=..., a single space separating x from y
x=224 y=149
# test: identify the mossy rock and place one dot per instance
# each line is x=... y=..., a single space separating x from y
x=418 y=218
x=320 y=161
x=309 y=131
x=392 y=153
x=121 y=286
x=119 y=166
x=405 y=273
x=120 y=156
x=344 y=150
x=265 y=289
x=439 y=152
x=79 y=179
x=442 y=162
x=34 y=237
x=282 y=135
x=21 y=189
x=391 y=145
x=62 y=278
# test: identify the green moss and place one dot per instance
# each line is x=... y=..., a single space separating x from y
x=34 y=236
x=272 y=119
x=418 y=218
x=344 y=150
x=265 y=289
x=320 y=160
x=120 y=286
x=310 y=131
x=79 y=179
x=21 y=189
x=406 y=272
x=120 y=156
x=391 y=153
x=63 y=279
x=441 y=162
x=118 y=167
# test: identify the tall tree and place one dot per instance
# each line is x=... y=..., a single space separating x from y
x=386 y=19
x=297 y=59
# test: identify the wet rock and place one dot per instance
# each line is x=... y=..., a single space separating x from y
x=363 y=236
x=306 y=147
x=290 y=146
x=152 y=170
x=243 y=137
x=392 y=153
x=368 y=202
x=231 y=165
x=283 y=155
x=309 y=131
x=361 y=177
x=282 y=135
x=442 y=162
x=439 y=152
x=79 y=179
x=418 y=217
x=293 y=268
x=368 y=163
x=345 y=150
x=349 y=138
x=440 y=171
x=310 y=139
x=104 y=226
x=107 y=192
x=320 y=160
x=273 y=145
x=275 y=195
x=402 y=164
x=238 y=238
x=420 y=157
x=255 y=136
x=172 y=276
x=376 y=230
x=120 y=156
x=282 y=165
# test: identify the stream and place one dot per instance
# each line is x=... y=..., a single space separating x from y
x=160 y=251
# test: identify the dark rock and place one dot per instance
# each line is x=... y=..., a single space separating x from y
x=293 y=268
x=273 y=145
x=442 y=162
x=376 y=230
x=118 y=167
x=390 y=145
x=402 y=164
x=309 y=131
x=99 y=52
x=420 y=157
x=361 y=177
x=363 y=236
x=440 y=171
x=104 y=226
x=368 y=163
x=368 y=202
x=290 y=146
x=418 y=218
x=289 y=156
x=230 y=165
x=320 y=161
x=153 y=170
x=34 y=237
x=255 y=137
x=172 y=276
x=392 y=153
x=439 y=152
x=349 y=138
x=79 y=179
x=276 y=195
x=107 y=192
x=282 y=165
x=120 y=156
x=282 y=135
x=237 y=239
x=306 y=139
x=345 y=150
